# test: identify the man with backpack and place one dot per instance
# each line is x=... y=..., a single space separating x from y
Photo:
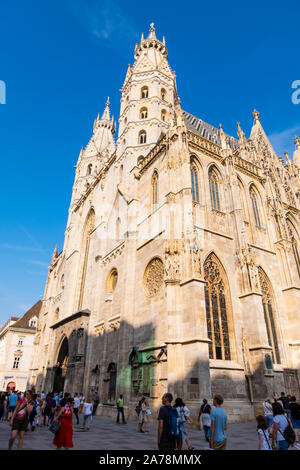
x=168 y=426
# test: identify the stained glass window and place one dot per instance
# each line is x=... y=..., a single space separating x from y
x=267 y=300
x=216 y=311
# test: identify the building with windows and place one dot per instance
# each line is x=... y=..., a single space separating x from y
x=180 y=265
x=16 y=349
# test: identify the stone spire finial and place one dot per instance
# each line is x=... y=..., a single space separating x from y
x=239 y=131
x=54 y=255
x=152 y=34
x=255 y=115
x=142 y=37
x=296 y=157
x=106 y=114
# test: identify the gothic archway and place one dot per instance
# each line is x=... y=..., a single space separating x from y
x=61 y=367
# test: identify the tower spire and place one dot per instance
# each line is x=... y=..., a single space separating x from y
x=106 y=114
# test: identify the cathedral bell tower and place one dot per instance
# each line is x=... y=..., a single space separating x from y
x=148 y=101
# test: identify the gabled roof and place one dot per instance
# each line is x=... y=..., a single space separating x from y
x=207 y=131
x=24 y=321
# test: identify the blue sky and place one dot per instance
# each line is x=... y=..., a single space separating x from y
x=61 y=59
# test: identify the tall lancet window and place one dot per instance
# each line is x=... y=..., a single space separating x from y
x=155 y=189
x=254 y=200
x=269 y=309
x=143 y=113
x=214 y=189
x=217 y=303
x=195 y=185
x=294 y=238
x=85 y=246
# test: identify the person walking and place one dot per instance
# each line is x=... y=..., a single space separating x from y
x=268 y=414
x=96 y=400
x=87 y=415
x=12 y=404
x=280 y=423
x=218 y=439
x=285 y=404
x=2 y=407
x=168 y=429
x=184 y=416
x=19 y=421
x=205 y=410
x=120 y=407
x=262 y=429
x=82 y=401
x=38 y=416
x=64 y=436
x=143 y=416
x=76 y=407
x=295 y=416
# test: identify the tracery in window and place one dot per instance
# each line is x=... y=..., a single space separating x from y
x=217 y=304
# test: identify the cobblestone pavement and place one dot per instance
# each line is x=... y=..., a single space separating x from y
x=105 y=434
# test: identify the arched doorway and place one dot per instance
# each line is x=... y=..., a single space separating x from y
x=61 y=367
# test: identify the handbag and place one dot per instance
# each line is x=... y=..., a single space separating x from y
x=148 y=412
x=54 y=427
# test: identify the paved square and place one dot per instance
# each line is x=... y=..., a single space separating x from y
x=106 y=434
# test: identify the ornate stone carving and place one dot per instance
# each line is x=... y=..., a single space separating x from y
x=114 y=324
x=172 y=259
x=154 y=277
x=99 y=329
x=113 y=254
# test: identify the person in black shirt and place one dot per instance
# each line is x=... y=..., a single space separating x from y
x=285 y=403
x=163 y=440
x=295 y=415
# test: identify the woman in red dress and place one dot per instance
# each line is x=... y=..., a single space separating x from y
x=63 y=438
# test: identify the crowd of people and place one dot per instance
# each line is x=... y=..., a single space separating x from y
x=29 y=410
x=277 y=427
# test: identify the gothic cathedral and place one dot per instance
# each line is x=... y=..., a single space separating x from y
x=180 y=269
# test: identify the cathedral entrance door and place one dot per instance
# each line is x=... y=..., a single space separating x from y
x=61 y=367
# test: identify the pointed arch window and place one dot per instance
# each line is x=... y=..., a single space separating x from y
x=163 y=115
x=144 y=92
x=216 y=304
x=143 y=113
x=195 y=185
x=163 y=94
x=293 y=237
x=268 y=307
x=89 y=169
x=214 y=190
x=254 y=199
x=155 y=189
x=142 y=137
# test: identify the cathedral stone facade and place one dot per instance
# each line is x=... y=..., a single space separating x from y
x=180 y=267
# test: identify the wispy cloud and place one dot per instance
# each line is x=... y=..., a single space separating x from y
x=9 y=246
x=105 y=20
x=284 y=141
x=38 y=263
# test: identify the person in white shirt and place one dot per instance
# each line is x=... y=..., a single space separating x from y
x=262 y=432
x=82 y=400
x=87 y=414
x=268 y=414
x=76 y=407
x=280 y=423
